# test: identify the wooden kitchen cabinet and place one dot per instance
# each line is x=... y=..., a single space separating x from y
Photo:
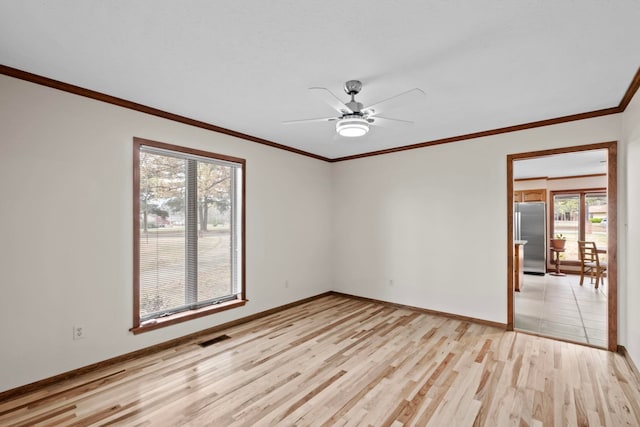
x=537 y=195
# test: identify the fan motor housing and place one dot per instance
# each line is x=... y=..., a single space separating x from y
x=353 y=87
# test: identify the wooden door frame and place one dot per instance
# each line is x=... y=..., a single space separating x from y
x=612 y=230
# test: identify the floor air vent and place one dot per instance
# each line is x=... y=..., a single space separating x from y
x=214 y=340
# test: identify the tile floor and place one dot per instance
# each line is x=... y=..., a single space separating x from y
x=559 y=307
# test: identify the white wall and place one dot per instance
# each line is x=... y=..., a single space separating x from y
x=434 y=220
x=66 y=235
x=631 y=300
x=530 y=184
x=562 y=184
x=431 y=220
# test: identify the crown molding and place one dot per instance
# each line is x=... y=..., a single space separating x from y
x=508 y=129
x=624 y=102
x=99 y=96
x=77 y=90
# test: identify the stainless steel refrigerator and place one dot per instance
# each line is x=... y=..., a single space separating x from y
x=529 y=223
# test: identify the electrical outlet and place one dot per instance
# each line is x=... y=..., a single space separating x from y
x=79 y=332
x=286 y=283
x=391 y=282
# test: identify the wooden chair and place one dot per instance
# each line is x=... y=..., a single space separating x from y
x=590 y=262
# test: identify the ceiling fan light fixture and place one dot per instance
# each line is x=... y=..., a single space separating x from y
x=352 y=127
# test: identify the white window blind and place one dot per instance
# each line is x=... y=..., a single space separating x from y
x=190 y=231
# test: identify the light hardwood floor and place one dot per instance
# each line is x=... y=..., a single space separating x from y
x=344 y=361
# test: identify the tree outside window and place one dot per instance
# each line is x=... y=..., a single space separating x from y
x=189 y=233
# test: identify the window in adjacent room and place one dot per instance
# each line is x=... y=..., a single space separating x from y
x=581 y=215
x=188 y=234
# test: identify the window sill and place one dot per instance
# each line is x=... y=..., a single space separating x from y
x=162 y=322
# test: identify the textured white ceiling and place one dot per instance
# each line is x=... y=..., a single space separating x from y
x=558 y=165
x=246 y=65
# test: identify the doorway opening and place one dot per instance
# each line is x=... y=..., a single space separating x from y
x=576 y=189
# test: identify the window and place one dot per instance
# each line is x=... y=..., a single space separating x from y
x=580 y=215
x=566 y=221
x=188 y=234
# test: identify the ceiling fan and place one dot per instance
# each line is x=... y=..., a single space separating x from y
x=354 y=118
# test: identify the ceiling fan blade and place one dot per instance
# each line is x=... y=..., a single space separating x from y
x=402 y=99
x=323 y=119
x=334 y=102
x=388 y=122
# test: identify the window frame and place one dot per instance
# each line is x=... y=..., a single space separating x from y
x=582 y=194
x=241 y=299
